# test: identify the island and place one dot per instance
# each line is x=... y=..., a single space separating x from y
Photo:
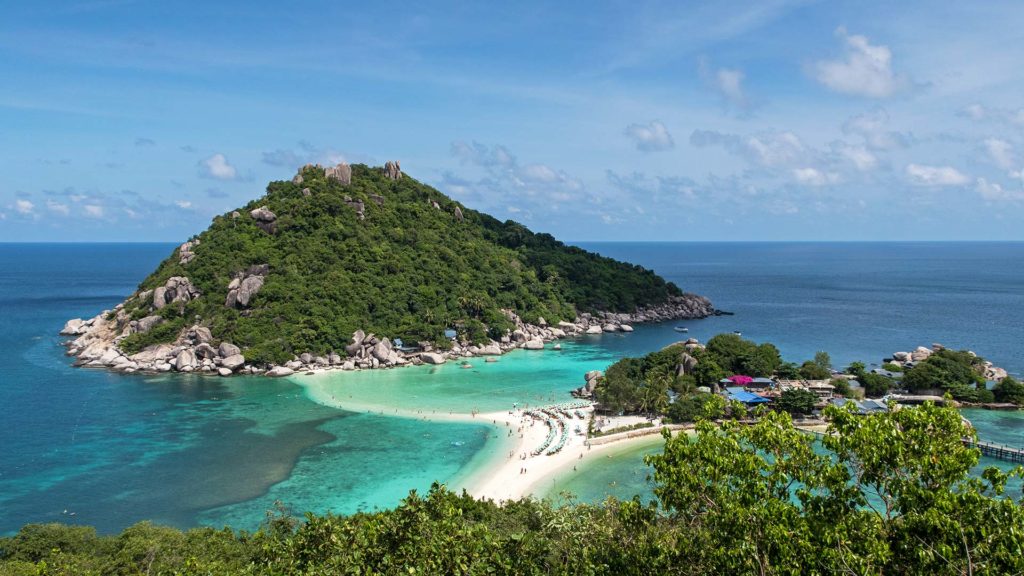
x=357 y=267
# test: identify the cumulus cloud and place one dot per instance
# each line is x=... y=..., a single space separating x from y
x=651 y=137
x=218 y=168
x=1000 y=152
x=864 y=69
x=767 y=149
x=863 y=160
x=922 y=175
x=93 y=211
x=994 y=192
x=873 y=127
x=814 y=177
x=183 y=204
x=503 y=182
x=57 y=208
x=26 y=207
x=727 y=82
x=981 y=113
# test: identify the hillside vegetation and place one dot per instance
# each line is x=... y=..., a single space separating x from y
x=384 y=255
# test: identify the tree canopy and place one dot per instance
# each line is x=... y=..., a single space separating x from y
x=410 y=268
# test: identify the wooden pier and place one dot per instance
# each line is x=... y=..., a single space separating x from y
x=1000 y=451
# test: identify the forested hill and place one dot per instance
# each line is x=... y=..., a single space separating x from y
x=346 y=248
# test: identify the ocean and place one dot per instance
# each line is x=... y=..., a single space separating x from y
x=87 y=446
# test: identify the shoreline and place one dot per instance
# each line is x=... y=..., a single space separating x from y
x=505 y=470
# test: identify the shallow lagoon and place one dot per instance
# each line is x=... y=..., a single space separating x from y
x=114 y=450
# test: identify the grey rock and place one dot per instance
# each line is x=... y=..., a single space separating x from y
x=342 y=173
x=307 y=192
x=185 y=253
x=224 y=371
x=279 y=371
x=205 y=351
x=228 y=349
x=265 y=219
x=201 y=334
x=297 y=179
x=306 y=357
x=432 y=358
x=186 y=361
x=233 y=362
x=536 y=344
x=393 y=170
x=146 y=324
x=249 y=288
x=458 y=214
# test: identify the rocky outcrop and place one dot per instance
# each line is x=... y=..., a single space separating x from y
x=592 y=378
x=356 y=205
x=265 y=219
x=393 y=170
x=185 y=253
x=342 y=174
x=987 y=369
x=176 y=289
x=145 y=324
x=245 y=285
x=377 y=199
x=432 y=358
x=458 y=214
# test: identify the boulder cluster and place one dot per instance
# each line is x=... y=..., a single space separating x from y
x=356 y=205
x=185 y=254
x=246 y=284
x=393 y=170
x=922 y=353
x=176 y=289
x=265 y=219
x=96 y=341
x=342 y=173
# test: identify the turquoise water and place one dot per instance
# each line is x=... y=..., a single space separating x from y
x=188 y=450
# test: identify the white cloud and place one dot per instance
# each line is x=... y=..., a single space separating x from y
x=768 y=149
x=864 y=70
x=217 y=167
x=57 y=208
x=730 y=84
x=183 y=204
x=981 y=113
x=935 y=175
x=873 y=127
x=862 y=158
x=1001 y=152
x=93 y=211
x=652 y=137
x=24 y=206
x=995 y=193
x=814 y=177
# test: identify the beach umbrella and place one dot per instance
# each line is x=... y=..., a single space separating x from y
x=741 y=380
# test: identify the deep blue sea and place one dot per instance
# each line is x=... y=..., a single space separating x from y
x=109 y=450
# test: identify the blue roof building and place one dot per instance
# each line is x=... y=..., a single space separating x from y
x=741 y=395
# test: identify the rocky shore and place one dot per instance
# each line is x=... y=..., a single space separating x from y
x=95 y=342
x=922 y=353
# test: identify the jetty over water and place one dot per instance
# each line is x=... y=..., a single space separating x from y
x=1000 y=451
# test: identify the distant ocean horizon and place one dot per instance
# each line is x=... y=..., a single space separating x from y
x=89 y=446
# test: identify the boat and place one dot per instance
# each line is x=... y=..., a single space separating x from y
x=681 y=329
x=737 y=332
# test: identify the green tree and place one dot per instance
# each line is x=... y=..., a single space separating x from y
x=811 y=370
x=1009 y=390
x=823 y=360
x=797 y=401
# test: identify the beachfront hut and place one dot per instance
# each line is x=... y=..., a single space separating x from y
x=761 y=383
x=748 y=398
x=822 y=388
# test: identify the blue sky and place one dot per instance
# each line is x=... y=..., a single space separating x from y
x=773 y=120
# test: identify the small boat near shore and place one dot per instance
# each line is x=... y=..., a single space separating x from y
x=737 y=332
x=681 y=329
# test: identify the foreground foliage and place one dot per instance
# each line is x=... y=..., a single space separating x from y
x=892 y=496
